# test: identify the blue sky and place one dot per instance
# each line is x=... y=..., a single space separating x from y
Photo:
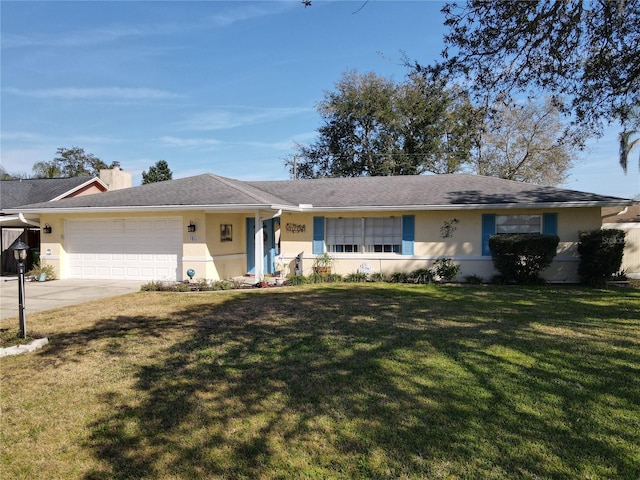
x=209 y=86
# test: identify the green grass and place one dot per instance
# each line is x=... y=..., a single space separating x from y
x=331 y=381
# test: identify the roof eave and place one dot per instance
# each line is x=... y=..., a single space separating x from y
x=151 y=208
x=468 y=206
x=80 y=187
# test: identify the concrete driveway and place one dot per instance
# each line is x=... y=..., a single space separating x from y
x=40 y=296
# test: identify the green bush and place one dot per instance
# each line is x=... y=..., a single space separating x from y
x=39 y=269
x=601 y=254
x=356 y=277
x=446 y=269
x=378 y=277
x=520 y=257
x=398 y=277
x=297 y=280
x=421 y=276
x=473 y=279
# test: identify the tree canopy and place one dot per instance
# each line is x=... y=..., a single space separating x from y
x=372 y=126
x=584 y=53
x=157 y=173
x=70 y=162
x=525 y=142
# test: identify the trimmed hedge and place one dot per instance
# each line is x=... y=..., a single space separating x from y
x=520 y=257
x=601 y=254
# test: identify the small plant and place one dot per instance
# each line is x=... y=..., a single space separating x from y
x=323 y=263
x=297 y=280
x=39 y=269
x=421 y=276
x=377 y=277
x=446 y=270
x=316 y=278
x=473 y=279
x=399 y=277
x=333 y=278
x=356 y=277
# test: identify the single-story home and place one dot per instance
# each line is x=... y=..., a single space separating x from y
x=221 y=227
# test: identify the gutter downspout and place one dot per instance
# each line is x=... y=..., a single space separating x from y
x=258 y=241
x=28 y=222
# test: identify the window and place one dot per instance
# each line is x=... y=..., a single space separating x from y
x=350 y=235
x=518 y=224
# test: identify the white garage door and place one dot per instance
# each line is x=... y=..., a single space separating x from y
x=125 y=248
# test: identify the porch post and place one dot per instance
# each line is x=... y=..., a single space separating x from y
x=259 y=249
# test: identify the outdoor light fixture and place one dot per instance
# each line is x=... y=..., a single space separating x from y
x=191 y=227
x=20 y=254
x=46 y=229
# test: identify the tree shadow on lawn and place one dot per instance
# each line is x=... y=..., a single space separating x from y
x=369 y=383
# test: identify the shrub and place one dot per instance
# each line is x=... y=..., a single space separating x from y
x=601 y=254
x=421 y=276
x=333 y=278
x=520 y=257
x=398 y=277
x=446 y=269
x=357 y=277
x=378 y=277
x=43 y=268
x=297 y=280
x=473 y=279
x=316 y=278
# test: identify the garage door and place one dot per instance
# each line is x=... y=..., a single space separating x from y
x=125 y=248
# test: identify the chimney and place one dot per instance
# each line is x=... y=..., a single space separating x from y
x=115 y=178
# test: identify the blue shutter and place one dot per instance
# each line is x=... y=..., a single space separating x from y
x=550 y=223
x=488 y=229
x=408 y=234
x=318 y=235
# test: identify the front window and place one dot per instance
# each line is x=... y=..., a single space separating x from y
x=349 y=235
x=518 y=224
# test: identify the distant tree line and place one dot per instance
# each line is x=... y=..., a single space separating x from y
x=75 y=162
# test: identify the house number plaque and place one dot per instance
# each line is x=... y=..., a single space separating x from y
x=295 y=228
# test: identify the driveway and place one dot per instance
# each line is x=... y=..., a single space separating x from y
x=40 y=296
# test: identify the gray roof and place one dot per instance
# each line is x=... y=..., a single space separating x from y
x=14 y=193
x=423 y=190
x=419 y=192
x=201 y=191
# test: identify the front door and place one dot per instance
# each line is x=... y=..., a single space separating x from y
x=270 y=230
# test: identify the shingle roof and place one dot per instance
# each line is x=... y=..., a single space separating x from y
x=200 y=190
x=422 y=190
x=419 y=191
x=14 y=193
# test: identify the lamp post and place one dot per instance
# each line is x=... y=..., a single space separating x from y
x=20 y=254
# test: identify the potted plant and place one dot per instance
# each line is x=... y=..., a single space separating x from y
x=323 y=263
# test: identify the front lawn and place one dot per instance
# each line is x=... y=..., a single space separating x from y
x=330 y=381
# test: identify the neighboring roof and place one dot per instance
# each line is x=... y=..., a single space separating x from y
x=205 y=190
x=14 y=193
x=616 y=215
x=373 y=193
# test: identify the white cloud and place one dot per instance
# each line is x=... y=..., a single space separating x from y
x=101 y=93
x=85 y=37
x=232 y=117
x=189 y=142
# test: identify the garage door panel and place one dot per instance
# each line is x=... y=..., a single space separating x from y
x=132 y=248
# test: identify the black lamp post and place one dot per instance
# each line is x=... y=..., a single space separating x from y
x=20 y=254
